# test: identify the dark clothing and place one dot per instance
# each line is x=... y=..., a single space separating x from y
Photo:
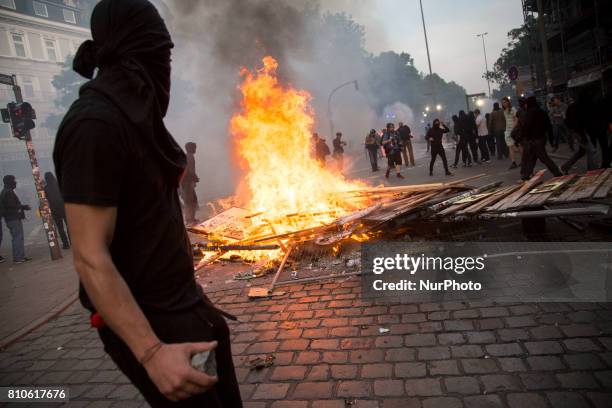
x=462 y=145
x=405 y=133
x=322 y=150
x=373 y=156
x=198 y=323
x=501 y=146
x=437 y=150
x=338 y=147
x=484 y=148
x=391 y=142
x=10 y=206
x=54 y=197
x=435 y=134
x=534 y=128
x=105 y=162
x=497 y=121
x=188 y=183
x=394 y=158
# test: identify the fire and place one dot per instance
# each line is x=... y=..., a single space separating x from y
x=288 y=190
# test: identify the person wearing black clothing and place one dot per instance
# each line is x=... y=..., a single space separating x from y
x=472 y=134
x=405 y=136
x=534 y=130
x=56 y=204
x=372 y=146
x=462 y=145
x=14 y=212
x=119 y=168
x=338 y=153
x=188 y=184
x=435 y=135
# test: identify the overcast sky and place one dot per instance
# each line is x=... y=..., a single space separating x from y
x=452 y=25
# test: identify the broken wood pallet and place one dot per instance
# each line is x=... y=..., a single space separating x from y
x=487 y=201
x=503 y=204
x=539 y=195
x=575 y=190
x=604 y=189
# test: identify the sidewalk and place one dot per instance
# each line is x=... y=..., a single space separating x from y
x=33 y=292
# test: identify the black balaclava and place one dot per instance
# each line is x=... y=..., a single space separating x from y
x=9 y=182
x=436 y=123
x=131 y=48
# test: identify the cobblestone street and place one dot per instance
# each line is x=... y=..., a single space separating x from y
x=329 y=352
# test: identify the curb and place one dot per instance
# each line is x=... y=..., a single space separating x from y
x=21 y=333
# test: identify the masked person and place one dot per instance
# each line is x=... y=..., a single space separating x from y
x=462 y=144
x=372 y=145
x=534 y=129
x=188 y=183
x=498 y=128
x=435 y=135
x=405 y=135
x=56 y=204
x=14 y=213
x=393 y=150
x=119 y=170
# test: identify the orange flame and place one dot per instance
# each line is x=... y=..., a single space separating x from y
x=287 y=187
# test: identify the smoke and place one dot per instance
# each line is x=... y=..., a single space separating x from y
x=215 y=39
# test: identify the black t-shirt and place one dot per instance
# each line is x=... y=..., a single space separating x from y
x=101 y=160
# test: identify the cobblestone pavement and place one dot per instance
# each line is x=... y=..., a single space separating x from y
x=329 y=352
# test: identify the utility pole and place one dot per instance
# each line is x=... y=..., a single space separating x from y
x=44 y=209
x=431 y=87
x=484 y=50
x=329 y=109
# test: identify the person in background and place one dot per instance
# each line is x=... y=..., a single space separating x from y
x=435 y=135
x=534 y=129
x=462 y=147
x=577 y=118
x=490 y=139
x=511 y=122
x=338 y=153
x=188 y=183
x=393 y=150
x=426 y=132
x=483 y=135
x=119 y=170
x=557 y=118
x=372 y=145
x=2 y=259
x=322 y=150
x=472 y=134
x=14 y=213
x=498 y=127
x=405 y=136
x=56 y=204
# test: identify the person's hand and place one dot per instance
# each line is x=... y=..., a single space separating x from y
x=171 y=371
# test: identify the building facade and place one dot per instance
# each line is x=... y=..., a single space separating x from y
x=36 y=38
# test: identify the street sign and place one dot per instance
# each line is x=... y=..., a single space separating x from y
x=6 y=79
x=513 y=73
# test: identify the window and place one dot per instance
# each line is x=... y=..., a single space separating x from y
x=8 y=3
x=40 y=9
x=51 y=50
x=69 y=16
x=27 y=87
x=19 y=44
x=70 y=3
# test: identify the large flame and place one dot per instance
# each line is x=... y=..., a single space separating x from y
x=288 y=188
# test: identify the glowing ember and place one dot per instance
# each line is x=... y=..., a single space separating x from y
x=287 y=187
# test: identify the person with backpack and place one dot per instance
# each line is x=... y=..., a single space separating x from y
x=405 y=136
x=372 y=147
x=393 y=150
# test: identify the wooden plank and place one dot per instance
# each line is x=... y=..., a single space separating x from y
x=578 y=185
x=499 y=195
x=604 y=189
x=526 y=186
x=535 y=198
x=589 y=190
x=449 y=202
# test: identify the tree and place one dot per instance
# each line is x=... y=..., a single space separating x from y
x=66 y=84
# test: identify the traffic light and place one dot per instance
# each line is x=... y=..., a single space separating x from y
x=22 y=118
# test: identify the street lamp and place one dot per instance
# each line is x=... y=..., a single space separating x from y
x=329 y=111
x=431 y=87
x=479 y=103
x=484 y=50
x=427 y=109
x=438 y=107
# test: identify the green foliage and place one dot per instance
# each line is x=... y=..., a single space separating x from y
x=66 y=84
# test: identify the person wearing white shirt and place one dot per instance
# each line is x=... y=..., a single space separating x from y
x=483 y=135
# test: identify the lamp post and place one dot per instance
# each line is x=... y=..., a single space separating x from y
x=431 y=88
x=329 y=111
x=484 y=50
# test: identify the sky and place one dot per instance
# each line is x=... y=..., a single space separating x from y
x=456 y=53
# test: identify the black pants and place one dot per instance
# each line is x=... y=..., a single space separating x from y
x=59 y=223
x=502 y=148
x=437 y=150
x=200 y=323
x=491 y=144
x=462 y=149
x=484 y=148
x=473 y=147
x=532 y=151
